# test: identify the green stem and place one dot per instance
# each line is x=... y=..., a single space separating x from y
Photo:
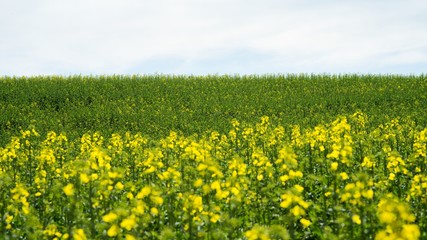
x=92 y=216
x=190 y=227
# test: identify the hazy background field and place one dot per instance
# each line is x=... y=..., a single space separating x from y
x=156 y=104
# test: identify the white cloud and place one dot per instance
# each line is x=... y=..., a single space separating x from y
x=212 y=36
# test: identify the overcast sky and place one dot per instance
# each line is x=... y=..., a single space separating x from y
x=212 y=36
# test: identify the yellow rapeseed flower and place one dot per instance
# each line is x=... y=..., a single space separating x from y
x=129 y=195
x=216 y=185
x=79 y=234
x=94 y=176
x=198 y=203
x=198 y=183
x=69 y=189
x=356 y=219
x=344 y=176
x=369 y=194
x=154 y=211
x=287 y=200
x=84 y=178
x=297 y=211
x=284 y=178
x=214 y=218
x=158 y=200
x=411 y=231
x=305 y=222
x=8 y=220
x=129 y=223
x=129 y=237
x=113 y=231
x=110 y=217
x=145 y=191
x=257 y=233
x=387 y=217
x=119 y=186
x=295 y=174
x=367 y=162
x=299 y=188
x=334 y=166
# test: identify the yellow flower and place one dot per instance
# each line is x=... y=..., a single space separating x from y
x=69 y=189
x=94 y=176
x=50 y=230
x=333 y=154
x=257 y=233
x=129 y=195
x=356 y=219
x=304 y=204
x=387 y=217
x=140 y=207
x=198 y=183
x=214 y=218
x=129 y=237
x=84 y=178
x=113 y=231
x=216 y=185
x=344 y=176
x=110 y=217
x=8 y=220
x=25 y=209
x=367 y=162
x=113 y=174
x=297 y=211
x=295 y=174
x=157 y=200
x=119 y=186
x=79 y=234
x=206 y=189
x=369 y=194
x=145 y=191
x=305 y=222
x=128 y=223
x=334 y=166
x=284 y=178
x=198 y=203
x=287 y=200
x=202 y=167
x=299 y=188
x=411 y=231
x=154 y=211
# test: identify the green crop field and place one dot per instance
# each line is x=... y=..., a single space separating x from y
x=213 y=157
x=154 y=105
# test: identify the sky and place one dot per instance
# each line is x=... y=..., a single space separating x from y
x=200 y=37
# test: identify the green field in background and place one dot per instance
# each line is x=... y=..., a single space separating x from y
x=156 y=104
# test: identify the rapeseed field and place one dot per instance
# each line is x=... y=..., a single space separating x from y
x=260 y=181
x=360 y=175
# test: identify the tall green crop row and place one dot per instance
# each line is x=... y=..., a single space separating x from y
x=193 y=104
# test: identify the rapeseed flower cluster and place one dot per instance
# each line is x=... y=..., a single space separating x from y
x=397 y=220
x=345 y=179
